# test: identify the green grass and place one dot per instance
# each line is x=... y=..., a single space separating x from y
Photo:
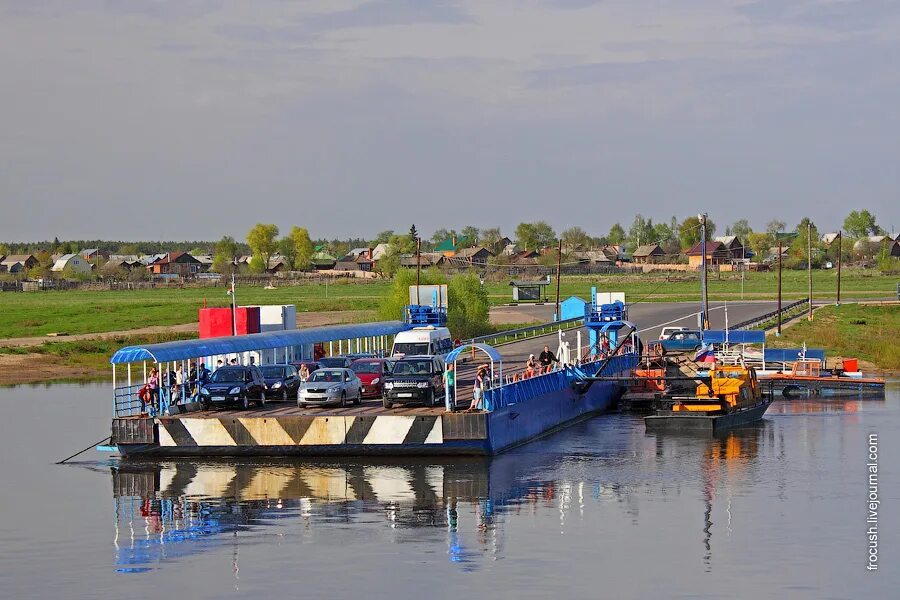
x=850 y=330
x=91 y=354
x=74 y=312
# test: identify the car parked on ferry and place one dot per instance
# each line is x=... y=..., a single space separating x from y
x=282 y=381
x=415 y=380
x=682 y=341
x=335 y=362
x=234 y=385
x=372 y=373
x=330 y=386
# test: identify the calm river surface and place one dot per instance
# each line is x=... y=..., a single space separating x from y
x=599 y=510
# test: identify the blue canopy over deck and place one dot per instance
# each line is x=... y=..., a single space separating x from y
x=789 y=355
x=188 y=349
x=489 y=350
x=720 y=336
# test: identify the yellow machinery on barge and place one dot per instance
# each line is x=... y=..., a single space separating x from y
x=730 y=397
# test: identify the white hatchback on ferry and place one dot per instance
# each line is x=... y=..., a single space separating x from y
x=422 y=341
x=667 y=332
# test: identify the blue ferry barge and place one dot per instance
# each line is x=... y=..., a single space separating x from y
x=514 y=411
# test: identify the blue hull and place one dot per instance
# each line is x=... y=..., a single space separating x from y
x=520 y=412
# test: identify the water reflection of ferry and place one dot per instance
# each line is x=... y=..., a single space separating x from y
x=169 y=509
x=728 y=463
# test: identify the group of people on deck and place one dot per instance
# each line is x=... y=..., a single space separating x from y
x=176 y=383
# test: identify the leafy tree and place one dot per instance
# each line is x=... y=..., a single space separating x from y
x=471 y=233
x=221 y=264
x=303 y=247
x=257 y=264
x=859 y=224
x=467 y=313
x=689 y=231
x=775 y=226
x=392 y=305
x=760 y=244
x=616 y=234
x=288 y=251
x=226 y=251
x=490 y=237
x=534 y=236
x=798 y=247
x=468 y=309
x=402 y=244
x=442 y=234
x=262 y=240
x=641 y=231
x=198 y=251
x=575 y=238
x=383 y=237
x=389 y=264
x=741 y=229
x=4 y=250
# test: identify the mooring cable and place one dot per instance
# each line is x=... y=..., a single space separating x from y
x=94 y=445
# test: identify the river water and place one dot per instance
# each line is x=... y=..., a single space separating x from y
x=601 y=509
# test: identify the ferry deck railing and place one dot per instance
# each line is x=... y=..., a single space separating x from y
x=513 y=392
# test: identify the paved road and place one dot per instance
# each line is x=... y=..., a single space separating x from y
x=650 y=317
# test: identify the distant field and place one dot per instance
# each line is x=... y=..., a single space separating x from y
x=39 y=313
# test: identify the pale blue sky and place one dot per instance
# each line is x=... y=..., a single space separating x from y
x=194 y=119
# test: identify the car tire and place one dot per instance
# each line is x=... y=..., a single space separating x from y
x=343 y=399
x=204 y=405
x=358 y=400
x=284 y=395
x=697 y=349
x=262 y=399
x=245 y=401
x=387 y=403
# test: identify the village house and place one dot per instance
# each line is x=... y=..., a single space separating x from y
x=476 y=256
x=94 y=255
x=735 y=247
x=716 y=254
x=71 y=263
x=176 y=263
x=17 y=263
x=452 y=245
x=648 y=253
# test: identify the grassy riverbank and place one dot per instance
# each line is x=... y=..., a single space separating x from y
x=78 y=312
x=851 y=330
x=81 y=360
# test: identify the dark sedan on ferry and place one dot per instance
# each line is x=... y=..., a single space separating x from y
x=282 y=381
x=234 y=385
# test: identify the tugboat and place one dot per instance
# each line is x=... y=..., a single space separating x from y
x=731 y=398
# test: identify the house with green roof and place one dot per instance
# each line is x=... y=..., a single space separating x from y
x=452 y=245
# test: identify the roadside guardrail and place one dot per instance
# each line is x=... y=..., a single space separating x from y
x=515 y=335
x=751 y=323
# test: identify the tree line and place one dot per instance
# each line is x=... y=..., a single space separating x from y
x=297 y=247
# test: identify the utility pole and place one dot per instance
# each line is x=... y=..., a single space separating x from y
x=840 y=241
x=809 y=316
x=418 y=267
x=780 y=252
x=704 y=308
x=233 y=308
x=558 y=266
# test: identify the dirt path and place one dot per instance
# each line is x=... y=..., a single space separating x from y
x=307 y=319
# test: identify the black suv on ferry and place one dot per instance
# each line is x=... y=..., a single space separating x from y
x=234 y=385
x=415 y=380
